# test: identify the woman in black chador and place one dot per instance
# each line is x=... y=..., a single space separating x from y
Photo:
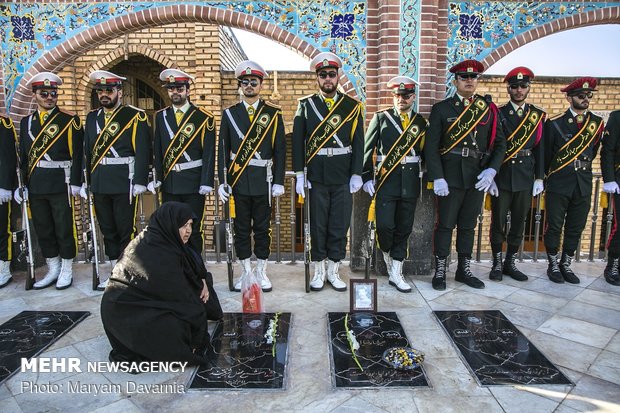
x=158 y=300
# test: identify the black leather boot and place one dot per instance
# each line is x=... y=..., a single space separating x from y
x=553 y=270
x=612 y=273
x=567 y=273
x=510 y=268
x=439 y=279
x=496 y=270
x=464 y=274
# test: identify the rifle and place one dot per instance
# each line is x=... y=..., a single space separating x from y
x=154 y=172
x=306 y=201
x=26 y=227
x=93 y=232
x=229 y=235
x=370 y=241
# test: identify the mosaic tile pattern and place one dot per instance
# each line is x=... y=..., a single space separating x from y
x=410 y=38
x=27 y=30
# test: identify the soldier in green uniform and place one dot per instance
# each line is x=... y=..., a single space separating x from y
x=464 y=150
x=521 y=174
x=8 y=162
x=610 y=167
x=253 y=149
x=184 y=151
x=397 y=136
x=571 y=143
x=118 y=150
x=50 y=156
x=328 y=141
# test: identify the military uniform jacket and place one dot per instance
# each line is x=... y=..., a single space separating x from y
x=202 y=147
x=8 y=155
x=458 y=171
x=327 y=170
x=610 y=151
x=135 y=141
x=404 y=180
x=518 y=173
x=253 y=180
x=67 y=147
x=567 y=180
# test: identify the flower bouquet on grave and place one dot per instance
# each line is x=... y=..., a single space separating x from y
x=271 y=334
x=251 y=293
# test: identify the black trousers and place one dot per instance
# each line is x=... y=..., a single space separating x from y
x=394 y=224
x=197 y=203
x=54 y=223
x=613 y=242
x=330 y=217
x=518 y=203
x=253 y=214
x=5 y=231
x=117 y=220
x=459 y=209
x=568 y=212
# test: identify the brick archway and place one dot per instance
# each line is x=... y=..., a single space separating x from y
x=591 y=18
x=62 y=54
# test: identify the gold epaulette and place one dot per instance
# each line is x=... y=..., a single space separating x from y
x=133 y=107
x=162 y=110
x=558 y=116
x=7 y=122
x=306 y=97
x=273 y=105
x=205 y=111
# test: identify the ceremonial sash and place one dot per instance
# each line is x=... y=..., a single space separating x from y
x=50 y=133
x=259 y=128
x=522 y=134
x=111 y=132
x=464 y=124
x=575 y=147
x=403 y=145
x=184 y=137
x=345 y=109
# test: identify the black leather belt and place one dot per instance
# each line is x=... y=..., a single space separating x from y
x=523 y=152
x=579 y=164
x=468 y=153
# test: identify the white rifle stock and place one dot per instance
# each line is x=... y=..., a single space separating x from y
x=31 y=279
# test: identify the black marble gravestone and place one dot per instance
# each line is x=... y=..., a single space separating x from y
x=29 y=333
x=375 y=333
x=242 y=357
x=496 y=351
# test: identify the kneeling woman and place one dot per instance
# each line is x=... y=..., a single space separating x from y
x=158 y=299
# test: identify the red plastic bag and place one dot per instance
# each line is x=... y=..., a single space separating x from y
x=251 y=293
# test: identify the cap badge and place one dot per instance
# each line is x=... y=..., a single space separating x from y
x=401 y=86
x=248 y=71
x=325 y=63
x=520 y=76
x=171 y=79
x=470 y=69
x=102 y=80
x=586 y=85
x=46 y=82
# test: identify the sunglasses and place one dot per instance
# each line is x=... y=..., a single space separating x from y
x=468 y=76
x=331 y=75
x=523 y=85
x=584 y=95
x=406 y=96
x=107 y=91
x=178 y=89
x=246 y=82
x=45 y=94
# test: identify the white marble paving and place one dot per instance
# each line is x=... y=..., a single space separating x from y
x=577 y=330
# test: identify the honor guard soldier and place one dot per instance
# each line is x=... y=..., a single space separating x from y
x=610 y=167
x=571 y=143
x=253 y=151
x=328 y=141
x=50 y=155
x=8 y=163
x=394 y=183
x=184 y=151
x=118 y=148
x=464 y=150
x=521 y=174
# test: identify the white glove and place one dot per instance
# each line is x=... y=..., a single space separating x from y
x=83 y=193
x=277 y=190
x=440 y=186
x=611 y=187
x=485 y=179
x=493 y=190
x=299 y=184
x=355 y=183
x=222 y=192
x=369 y=187
x=205 y=190
x=5 y=195
x=138 y=189
x=18 y=197
x=75 y=190
x=152 y=186
x=538 y=187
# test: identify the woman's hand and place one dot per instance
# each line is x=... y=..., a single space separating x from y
x=204 y=294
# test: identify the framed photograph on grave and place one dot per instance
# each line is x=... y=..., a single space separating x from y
x=363 y=295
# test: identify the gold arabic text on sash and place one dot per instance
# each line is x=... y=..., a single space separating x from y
x=50 y=133
x=464 y=124
x=111 y=133
x=574 y=147
x=522 y=134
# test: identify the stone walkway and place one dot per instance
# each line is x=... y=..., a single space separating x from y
x=576 y=327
